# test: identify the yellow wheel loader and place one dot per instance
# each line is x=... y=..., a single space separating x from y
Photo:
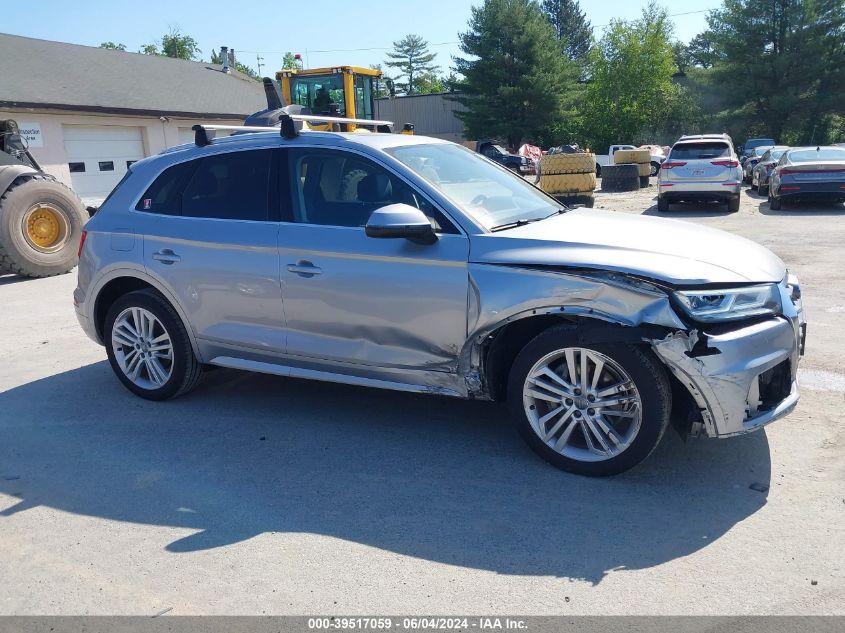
x=337 y=92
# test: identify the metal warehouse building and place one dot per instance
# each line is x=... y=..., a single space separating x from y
x=88 y=113
x=431 y=114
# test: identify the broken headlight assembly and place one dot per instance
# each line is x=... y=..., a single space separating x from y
x=730 y=304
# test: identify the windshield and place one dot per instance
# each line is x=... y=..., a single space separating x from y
x=810 y=155
x=491 y=195
x=322 y=93
x=776 y=153
x=759 y=151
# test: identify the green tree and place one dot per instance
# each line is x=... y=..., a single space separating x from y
x=571 y=27
x=290 y=61
x=411 y=57
x=631 y=88
x=516 y=84
x=113 y=46
x=779 y=65
x=241 y=68
x=700 y=51
x=428 y=83
x=174 y=44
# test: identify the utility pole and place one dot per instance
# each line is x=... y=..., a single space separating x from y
x=258 y=60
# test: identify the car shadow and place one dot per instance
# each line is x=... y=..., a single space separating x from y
x=431 y=477
x=689 y=210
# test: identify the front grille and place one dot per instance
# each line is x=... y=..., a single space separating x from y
x=775 y=385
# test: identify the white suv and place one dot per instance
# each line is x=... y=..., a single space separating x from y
x=702 y=167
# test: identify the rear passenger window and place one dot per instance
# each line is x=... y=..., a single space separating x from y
x=232 y=186
x=165 y=194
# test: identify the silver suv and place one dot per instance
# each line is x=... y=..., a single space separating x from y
x=701 y=167
x=411 y=263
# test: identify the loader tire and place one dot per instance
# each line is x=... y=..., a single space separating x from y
x=643 y=182
x=553 y=164
x=41 y=222
x=583 y=198
x=567 y=183
x=645 y=169
x=624 y=156
x=620 y=178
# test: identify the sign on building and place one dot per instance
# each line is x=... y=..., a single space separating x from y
x=31 y=132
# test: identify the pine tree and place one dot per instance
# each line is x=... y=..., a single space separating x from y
x=516 y=83
x=571 y=26
x=411 y=57
x=779 y=65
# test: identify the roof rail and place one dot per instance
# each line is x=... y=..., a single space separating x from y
x=204 y=134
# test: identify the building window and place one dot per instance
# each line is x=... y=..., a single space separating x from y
x=129 y=163
x=106 y=165
x=76 y=168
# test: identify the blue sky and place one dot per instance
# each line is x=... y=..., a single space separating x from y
x=325 y=32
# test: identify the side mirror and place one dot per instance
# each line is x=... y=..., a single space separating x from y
x=401 y=220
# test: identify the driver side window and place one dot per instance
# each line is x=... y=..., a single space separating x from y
x=336 y=188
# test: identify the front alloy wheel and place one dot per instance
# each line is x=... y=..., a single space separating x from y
x=592 y=410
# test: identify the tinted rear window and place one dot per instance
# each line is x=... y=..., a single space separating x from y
x=691 y=151
x=809 y=155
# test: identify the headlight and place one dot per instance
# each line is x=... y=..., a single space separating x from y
x=731 y=303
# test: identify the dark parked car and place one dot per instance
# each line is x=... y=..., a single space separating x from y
x=763 y=169
x=495 y=152
x=750 y=161
x=751 y=143
x=808 y=173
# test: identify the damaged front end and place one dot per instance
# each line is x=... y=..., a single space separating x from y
x=741 y=377
x=738 y=375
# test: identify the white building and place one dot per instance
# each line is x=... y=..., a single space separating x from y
x=89 y=112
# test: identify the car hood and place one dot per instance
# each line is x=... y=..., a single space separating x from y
x=675 y=251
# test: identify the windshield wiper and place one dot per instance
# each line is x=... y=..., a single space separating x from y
x=516 y=223
x=513 y=225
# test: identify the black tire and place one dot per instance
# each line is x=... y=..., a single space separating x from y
x=643 y=182
x=620 y=177
x=753 y=184
x=655 y=167
x=648 y=376
x=775 y=203
x=186 y=370
x=763 y=190
x=598 y=170
x=662 y=204
x=733 y=204
x=17 y=254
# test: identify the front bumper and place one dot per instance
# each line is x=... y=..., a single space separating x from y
x=740 y=379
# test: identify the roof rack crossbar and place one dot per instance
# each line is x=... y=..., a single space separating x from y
x=204 y=134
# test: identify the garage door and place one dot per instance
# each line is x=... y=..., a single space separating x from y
x=98 y=156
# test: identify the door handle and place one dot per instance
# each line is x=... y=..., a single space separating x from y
x=304 y=268
x=166 y=256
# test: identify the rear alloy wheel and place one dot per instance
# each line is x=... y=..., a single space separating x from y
x=774 y=202
x=148 y=347
x=596 y=410
x=763 y=189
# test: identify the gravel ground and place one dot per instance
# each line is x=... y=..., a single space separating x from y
x=258 y=495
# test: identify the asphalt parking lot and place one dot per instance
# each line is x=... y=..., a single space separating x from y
x=257 y=494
